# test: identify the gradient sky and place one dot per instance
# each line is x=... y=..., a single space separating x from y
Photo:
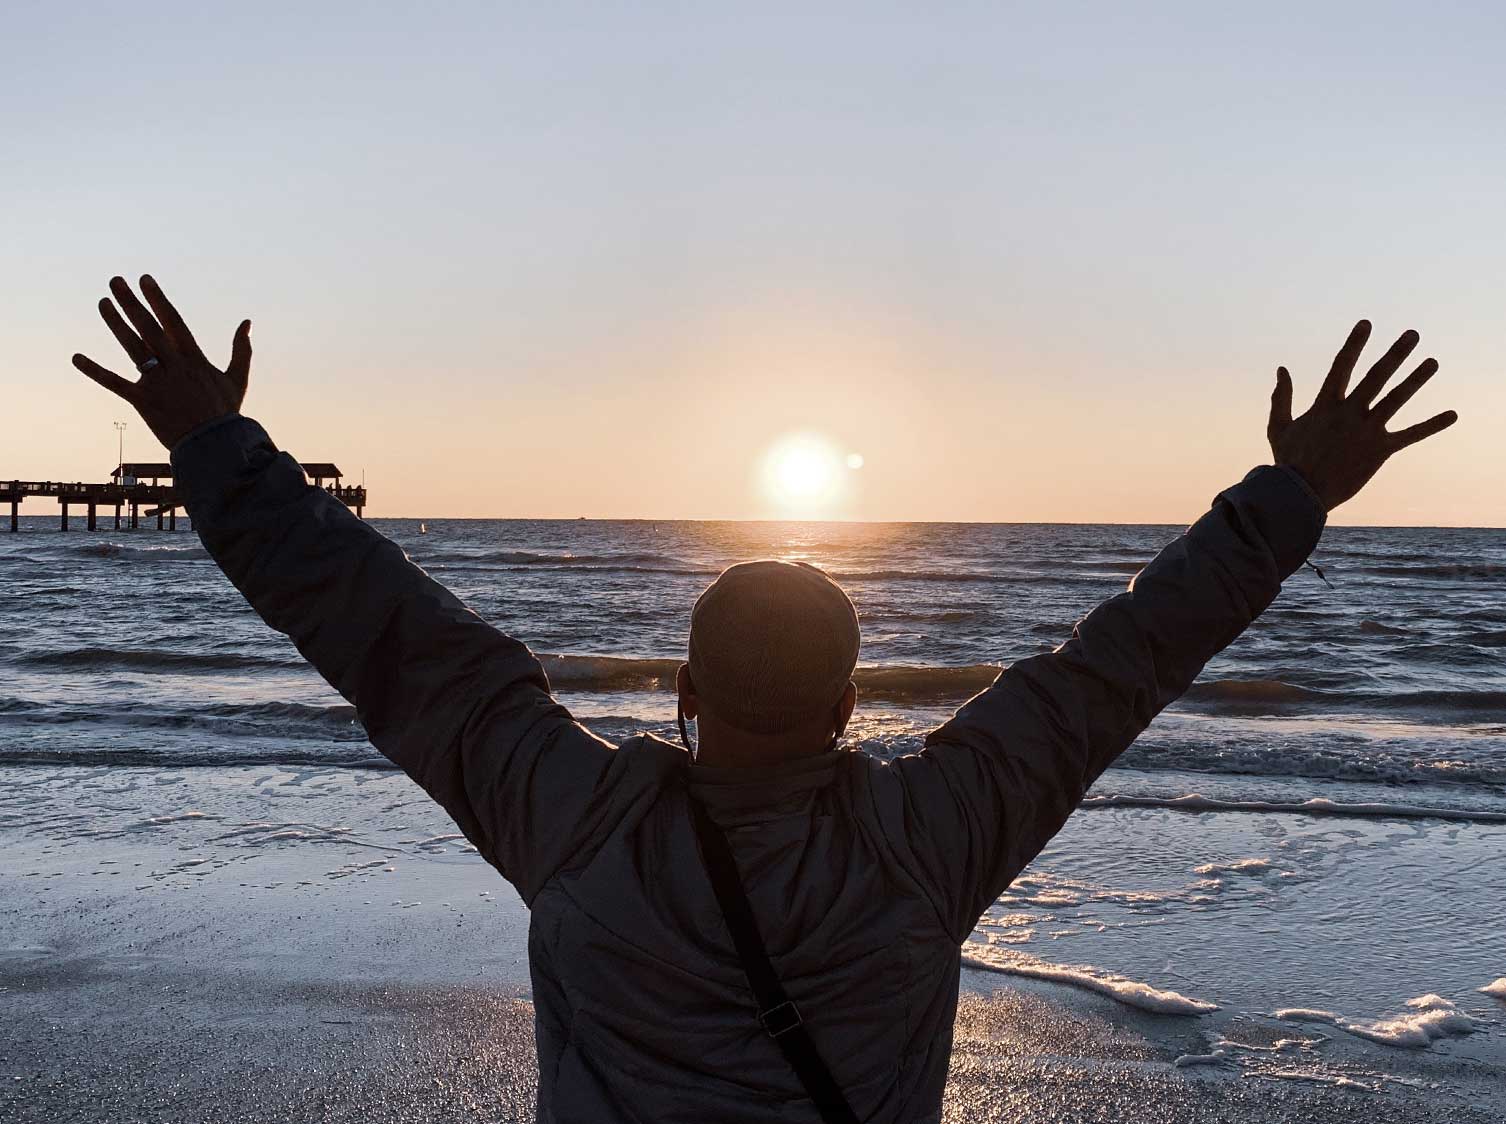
x=1033 y=262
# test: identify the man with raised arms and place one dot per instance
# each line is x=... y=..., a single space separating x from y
x=768 y=928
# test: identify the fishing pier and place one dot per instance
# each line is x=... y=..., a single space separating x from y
x=147 y=489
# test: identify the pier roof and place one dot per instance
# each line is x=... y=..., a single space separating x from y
x=152 y=470
x=161 y=470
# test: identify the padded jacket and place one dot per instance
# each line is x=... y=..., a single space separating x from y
x=865 y=875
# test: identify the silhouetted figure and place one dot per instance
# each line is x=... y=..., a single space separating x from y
x=862 y=877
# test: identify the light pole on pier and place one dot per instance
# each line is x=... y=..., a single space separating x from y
x=120 y=460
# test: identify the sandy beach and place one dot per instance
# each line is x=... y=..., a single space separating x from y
x=213 y=945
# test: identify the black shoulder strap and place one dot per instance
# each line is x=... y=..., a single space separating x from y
x=776 y=1011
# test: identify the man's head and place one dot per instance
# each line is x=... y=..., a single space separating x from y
x=772 y=650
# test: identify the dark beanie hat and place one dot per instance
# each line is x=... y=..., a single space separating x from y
x=772 y=645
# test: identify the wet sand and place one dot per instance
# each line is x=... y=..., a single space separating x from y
x=201 y=948
x=92 y=1040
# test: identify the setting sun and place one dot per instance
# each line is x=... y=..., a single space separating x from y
x=802 y=474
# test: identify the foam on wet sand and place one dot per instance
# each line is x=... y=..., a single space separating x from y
x=1146 y=997
x=1427 y=1019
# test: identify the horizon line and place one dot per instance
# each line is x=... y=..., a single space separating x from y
x=864 y=522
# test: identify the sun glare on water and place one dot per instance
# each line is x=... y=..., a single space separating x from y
x=805 y=475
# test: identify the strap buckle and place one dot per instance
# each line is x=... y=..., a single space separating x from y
x=781 y=1019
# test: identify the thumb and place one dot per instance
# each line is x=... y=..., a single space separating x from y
x=1281 y=402
x=240 y=355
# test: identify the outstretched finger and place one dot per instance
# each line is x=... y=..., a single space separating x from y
x=1343 y=363
x=172 y=323
x=1386 y=366
x=106 y=377
x=1423 y=430
x=151 y=332
x=129 y=341
x=1400 y=394
x=1281 y=403
x=240 y=355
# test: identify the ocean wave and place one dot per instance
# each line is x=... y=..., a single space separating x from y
x=148 y=757
x=928 y=616
x=294 y=721
x=1255 y=694
x=1006 y=576
x=1454 y=653
x=112 y=551
x=1493 y=639
x=610 y=673
x=566 y=558
x=1251 y=690
x=1445 y=764
x=1476 y=614
x=1456 y=570
x=917 y=684
x=1320 y=759
x=151 y=659
x=1317 y=806
x=893 y=683
x=610 y=562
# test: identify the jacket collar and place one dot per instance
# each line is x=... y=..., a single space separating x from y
x=759 y=786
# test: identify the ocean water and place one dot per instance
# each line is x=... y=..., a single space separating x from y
x=1311 y=842
x=123 y=647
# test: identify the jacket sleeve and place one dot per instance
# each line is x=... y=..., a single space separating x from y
x=997 y=781
x=463 y=709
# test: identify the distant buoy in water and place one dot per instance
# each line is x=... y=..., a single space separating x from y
x=423 y=528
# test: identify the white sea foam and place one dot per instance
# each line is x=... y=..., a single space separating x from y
x=440 y=840
x=178 y=818
x=1337 y=1080
x=1430 y=1017
x=1134 y=993
x=1497 y=988
x=1317 y=806
x=1243 y=866
x=1186 y=1060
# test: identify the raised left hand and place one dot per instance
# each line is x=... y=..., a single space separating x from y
x=179 y=389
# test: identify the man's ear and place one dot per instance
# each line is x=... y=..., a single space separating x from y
x=845 y=706
x=686 y=689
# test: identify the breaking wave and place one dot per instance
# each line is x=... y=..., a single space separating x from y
x=1483 y=571
x=151 y=659
x=504 y=560
x=1317 y=806
x=1257 y=694
x=899 y=684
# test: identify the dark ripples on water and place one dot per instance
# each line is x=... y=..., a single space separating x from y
x=133 y=648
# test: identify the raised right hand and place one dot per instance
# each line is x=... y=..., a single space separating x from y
x=1342 y=440
x=179 y=388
